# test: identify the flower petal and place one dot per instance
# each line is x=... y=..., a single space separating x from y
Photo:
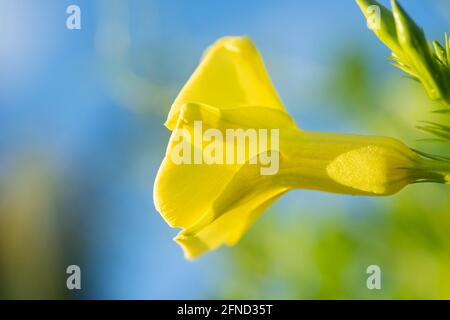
x=231 y=74
x=233 y=212
x=185 y=194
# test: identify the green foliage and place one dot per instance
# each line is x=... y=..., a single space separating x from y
x=411 y=51
x=425 y=61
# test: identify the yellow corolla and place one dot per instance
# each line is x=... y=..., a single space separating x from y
x=215 y=197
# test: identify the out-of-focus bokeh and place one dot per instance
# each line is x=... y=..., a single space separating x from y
x=82 y=136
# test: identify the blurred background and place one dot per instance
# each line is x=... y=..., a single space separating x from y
x=82 y=136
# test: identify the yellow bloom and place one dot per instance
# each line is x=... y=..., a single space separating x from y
x=214 y=201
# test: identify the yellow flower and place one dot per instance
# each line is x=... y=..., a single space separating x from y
x=214 y=200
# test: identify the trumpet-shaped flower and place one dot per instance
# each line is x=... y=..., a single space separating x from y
x=215 y=200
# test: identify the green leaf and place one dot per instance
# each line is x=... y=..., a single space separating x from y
x=411 y=51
